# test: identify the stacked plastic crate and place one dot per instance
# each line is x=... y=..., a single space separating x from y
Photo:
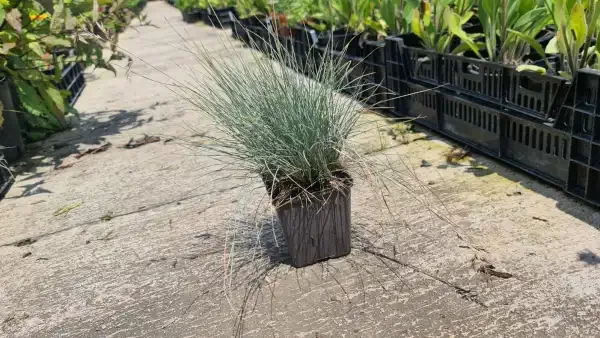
x=540 y=123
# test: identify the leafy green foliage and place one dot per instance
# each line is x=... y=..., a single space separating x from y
x=436 y=24
x=187 y=4
x=577 y=24
x=35 y=39
x=500 y=20
x=251 y=8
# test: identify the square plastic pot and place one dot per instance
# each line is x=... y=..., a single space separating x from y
x=191 y=15
x=318 y=229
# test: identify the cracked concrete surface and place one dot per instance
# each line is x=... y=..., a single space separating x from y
x=143 y=255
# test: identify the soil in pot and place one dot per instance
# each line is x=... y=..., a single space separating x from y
x=316 y=228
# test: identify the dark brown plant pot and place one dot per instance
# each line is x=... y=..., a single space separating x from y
x=318 y=229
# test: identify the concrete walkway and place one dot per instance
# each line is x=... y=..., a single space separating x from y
x=131 y=242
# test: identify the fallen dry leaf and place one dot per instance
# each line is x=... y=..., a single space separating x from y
x=489 y=269
x=140 y=141
x=456 y=154
x=13 y=18
x=70 y=160
x=93 y=150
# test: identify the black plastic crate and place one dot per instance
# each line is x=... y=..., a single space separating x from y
x=421 y=65
x=374 y=68
x=525 y=143
x=11 y=139
x=394 y=68
x=584 y=169
x=192 y=15
x=395 y=72
x=419 y=102
x=543 y=150
x=340 y=40
x=260 y=37
x=534 y=94
x=239 y=30
x=478 y=78
x=304 y=47
x=587 y=91
x=73 y=80
x=6 y=179
x=286 y=43
x=471 y=122
x=219 y=17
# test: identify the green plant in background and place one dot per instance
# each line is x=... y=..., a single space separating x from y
x=437 y=23
x=217 y=4
x=252 y=8
x=397 y=15
x=36 y=38
x=301 y=11
x=510 y=28
x=577 y=23
x=186 y=5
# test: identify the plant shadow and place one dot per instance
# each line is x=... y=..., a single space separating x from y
x=483 y=165
x=588 y=257
x=94 y=127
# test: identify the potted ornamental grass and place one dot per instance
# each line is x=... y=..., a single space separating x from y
x=293 y=132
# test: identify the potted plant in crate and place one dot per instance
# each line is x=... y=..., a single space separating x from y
x=292 y=132
x=252 y=24
x=190 y=10
x=219 y=13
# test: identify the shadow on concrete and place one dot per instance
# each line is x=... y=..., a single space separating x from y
x=261 y=241
x=473 y=167
x=588 y=257
x=92 y=130
x=564 y=202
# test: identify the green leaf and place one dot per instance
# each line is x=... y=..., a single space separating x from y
x=454 y=26
x=464 y=47
x=54 y=41
x=566 y=75
x=36 y=48
x=2 y=16
x=1 y=113
x=53 y=99
x=466 y=18
x=533 y=43
x=577 y=24
x=552 y=46
x=416 y=26
x=34 y=104
x=531 y=68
